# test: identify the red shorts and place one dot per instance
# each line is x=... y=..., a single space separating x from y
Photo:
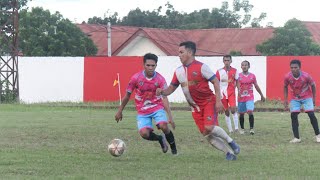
x=230 y=102
x=207 y=116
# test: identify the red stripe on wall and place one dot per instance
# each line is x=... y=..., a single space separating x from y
x=279 y=66
x=100 y=73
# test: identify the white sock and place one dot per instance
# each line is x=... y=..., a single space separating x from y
x=235 y=120
x=228 y=121
x=217 y=143
x=219 y=132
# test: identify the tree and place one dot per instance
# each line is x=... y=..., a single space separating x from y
x=292 y=39
x=221 y=17
x=46 y=34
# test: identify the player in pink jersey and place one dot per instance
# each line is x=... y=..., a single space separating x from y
x=149 y=105
x=245 y=85
x=228 y=77
x=193 y=76
x=303 y=92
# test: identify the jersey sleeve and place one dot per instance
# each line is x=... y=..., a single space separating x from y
x=175 y=82
x=132 y=84
x=310 y=80
x=286 y=80
x=218 y=75
x=207 y=72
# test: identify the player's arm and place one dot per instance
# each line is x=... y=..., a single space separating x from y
x=167 y=91
x=285 y=95
x=259 y=91
x=167 y=108
x=216 y=86
x=313 y=88
x=124 y=102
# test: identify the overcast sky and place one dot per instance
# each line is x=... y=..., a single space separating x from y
x=278 y=11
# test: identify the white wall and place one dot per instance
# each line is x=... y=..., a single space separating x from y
x=140 y=46
x=51 y=79
x=167 y=65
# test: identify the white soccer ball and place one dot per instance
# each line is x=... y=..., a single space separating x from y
x=116 y=147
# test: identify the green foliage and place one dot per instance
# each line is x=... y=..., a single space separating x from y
x=7 y=95
x=46 y=34
x=235 y=53
x=221 y=17
x=293 y=39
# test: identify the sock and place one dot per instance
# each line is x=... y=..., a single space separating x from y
x=217 y=143
x=251 y=121
x=295 y=124
x=154 y=137
x=228 y=122
x=219 y=132
x=170 y=139
x=235 y=120
x=242 y=121
x=314 y=122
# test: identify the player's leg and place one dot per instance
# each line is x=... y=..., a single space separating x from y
x=242 y=109
x=146 y=131
x=309 y=109
x=295 y=110
x=161 y=120
x=219 y=144
x=250 y=108
x=211 y=127
x=233 y=109
x=227 y=114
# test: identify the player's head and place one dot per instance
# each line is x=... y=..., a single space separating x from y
x=227 y=60
x=150 y=63
x=187 y=50
x=295 y=66
x=245 y=65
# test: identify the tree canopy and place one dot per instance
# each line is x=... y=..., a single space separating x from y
x=46 y=34
x=292 y=39
x=221 y=17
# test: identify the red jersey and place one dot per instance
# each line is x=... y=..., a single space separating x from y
x=246 y=87
x=227 y=81
x=300 y=87
x=194 y=82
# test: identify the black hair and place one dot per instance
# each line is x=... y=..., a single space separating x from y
x=296 y=61
x=150 y=56
x=227 y=56
x=190 y=45
x=247 y=62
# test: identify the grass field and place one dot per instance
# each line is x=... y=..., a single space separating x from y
x=38 y=142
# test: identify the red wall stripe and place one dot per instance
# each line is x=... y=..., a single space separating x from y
x=100 y=73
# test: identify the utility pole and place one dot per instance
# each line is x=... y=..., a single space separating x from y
x=109 y=39
x=9 y=51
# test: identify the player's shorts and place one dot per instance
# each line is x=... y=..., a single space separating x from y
x=230 y=102
x=145 y=121
x=207 y=116
x=295 y=105
x=244 y=107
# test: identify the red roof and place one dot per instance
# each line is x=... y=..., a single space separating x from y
x=314 y=28
x=210 y=42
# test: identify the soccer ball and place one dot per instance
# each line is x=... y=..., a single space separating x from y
x=116 y=147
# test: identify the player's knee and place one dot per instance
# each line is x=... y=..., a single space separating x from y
x=241 y=116
x=294 y=115
x=144 y=134
x=207 y=130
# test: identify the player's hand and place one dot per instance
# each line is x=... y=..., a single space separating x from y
x=118 y=116
x=173 y=124
x=219 y=107
x=158 y=91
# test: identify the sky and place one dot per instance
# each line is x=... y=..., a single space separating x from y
x=278 y=11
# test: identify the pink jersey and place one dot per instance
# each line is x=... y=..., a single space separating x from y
x=246 y=87
x=227 y=81
x=300 y=87
x=146 y=99
x=194 y=82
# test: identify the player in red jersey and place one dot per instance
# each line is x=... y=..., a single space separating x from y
x=303 y=92
x=228 y=77
x=193 y=76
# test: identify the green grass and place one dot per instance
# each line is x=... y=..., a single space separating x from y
x=41 y=142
